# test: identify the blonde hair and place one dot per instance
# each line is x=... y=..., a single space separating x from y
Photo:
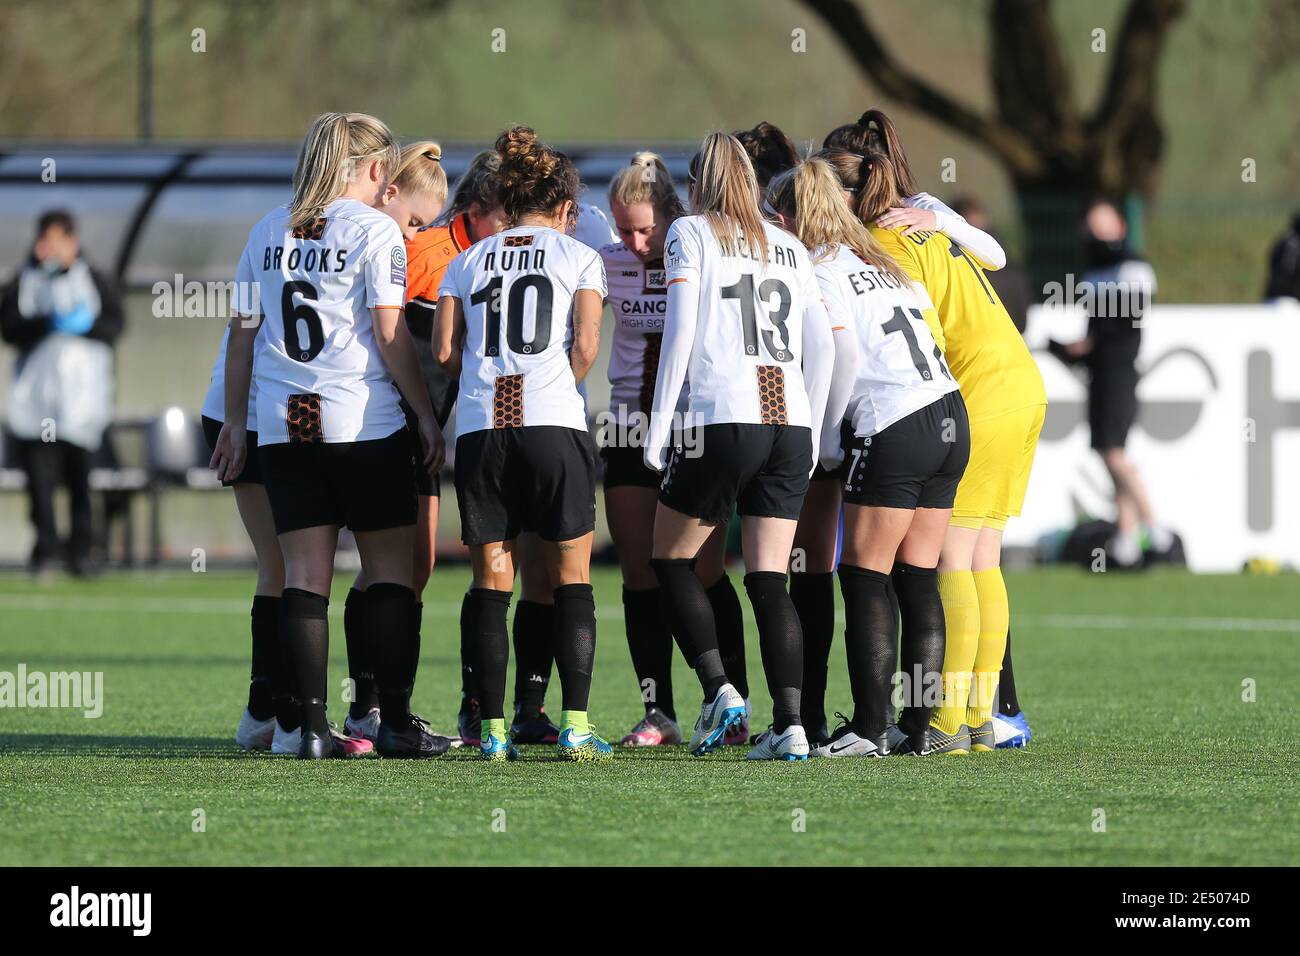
x=810 y=196
x=337 y=145
x=419 y=170
x=646 y=179
x=726 y=194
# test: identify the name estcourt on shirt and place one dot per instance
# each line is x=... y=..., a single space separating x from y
x=873 y=281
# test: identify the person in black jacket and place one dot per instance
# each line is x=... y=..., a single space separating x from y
x=1284 y=265
x=62 y=316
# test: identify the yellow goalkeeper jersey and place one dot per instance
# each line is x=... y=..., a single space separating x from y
x=985 y=353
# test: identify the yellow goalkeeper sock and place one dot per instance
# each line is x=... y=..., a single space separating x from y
x=961 y=614
x=995 y=619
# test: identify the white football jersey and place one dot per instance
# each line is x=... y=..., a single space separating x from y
x=516 y=291
x=900 y=368
x=318 y=349
x=593 y=228
x=749 y=330
x=214 y=402
x=638 y=297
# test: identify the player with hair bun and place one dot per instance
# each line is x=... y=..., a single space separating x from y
x=644 y=202
x=519 y=321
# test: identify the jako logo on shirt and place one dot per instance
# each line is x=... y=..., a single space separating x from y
x=74 y=909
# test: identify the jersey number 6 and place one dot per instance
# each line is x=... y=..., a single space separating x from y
x=299 y=318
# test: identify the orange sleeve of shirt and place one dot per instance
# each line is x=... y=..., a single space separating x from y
x=425 y=264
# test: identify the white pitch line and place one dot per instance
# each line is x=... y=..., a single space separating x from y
x=231 y=606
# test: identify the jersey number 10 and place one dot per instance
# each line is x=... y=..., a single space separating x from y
x=490 y=296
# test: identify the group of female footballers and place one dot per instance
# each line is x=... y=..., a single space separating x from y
x=813 y=346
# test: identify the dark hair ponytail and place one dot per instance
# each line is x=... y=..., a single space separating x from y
x=882 y=137
x=770 y=150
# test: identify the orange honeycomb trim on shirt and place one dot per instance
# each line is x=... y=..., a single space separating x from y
x=508 y=402
x=771 y=394
x=302 y=415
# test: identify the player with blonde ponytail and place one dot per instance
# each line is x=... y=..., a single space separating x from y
x=905 y=441
x=333 y=363
x=644 y=203
x=746 y=327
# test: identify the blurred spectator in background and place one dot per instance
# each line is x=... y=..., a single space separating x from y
x=1284 y=265
x=62 y=316
x=1116 y=290
x=1011 y=282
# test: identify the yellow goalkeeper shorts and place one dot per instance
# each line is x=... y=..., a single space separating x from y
x=1001 y=456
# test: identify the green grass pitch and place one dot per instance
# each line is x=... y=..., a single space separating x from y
x=1133 y=684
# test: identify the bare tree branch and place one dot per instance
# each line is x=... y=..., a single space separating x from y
x=1030 y=77
x=1130 y=86
x=846 y=21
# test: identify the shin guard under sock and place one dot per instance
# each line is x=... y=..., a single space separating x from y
x=813 y=595
x=483 y=630
x=388 y=625
x=961 y=613
x=650 y=643
x=729 y=622
x=924 y=635
x=534 y=633
x=263 y=678
x=575 y=644
x=305 y=634
x=995 y=617
x=871 y=646
x=780 y=641
x=691 y=617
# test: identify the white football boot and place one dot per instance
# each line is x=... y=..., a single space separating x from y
x=254 y=734
x=846 y=743
x=286 y=741
x=366 y=728
x=716 y=717
x=790 y=744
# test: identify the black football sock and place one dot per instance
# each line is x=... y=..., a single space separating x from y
x=1008 y=702
x=650 y=642
x=780 y=641
x=361 y=656
x=924 y=638
x=387 y=622
x=266 y=656
x=871 y=645
x=417 y=621
x=305 y=633
x=729 y=620
x=483 y=630
x=575 y=644
x=690 y=615
x=534 y=637
x=468 y=678
x=813 y=595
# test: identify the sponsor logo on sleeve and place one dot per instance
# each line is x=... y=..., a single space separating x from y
x=398 y=263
